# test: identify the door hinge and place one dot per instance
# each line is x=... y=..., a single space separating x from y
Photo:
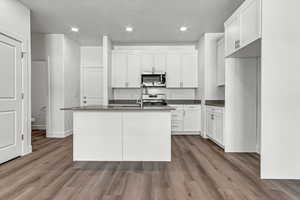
x=23 y=54
x=22 y=95
x=22 y=137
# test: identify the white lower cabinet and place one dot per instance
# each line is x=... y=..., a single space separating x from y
x=214 y=124
x=144 y=139
x=186 y=120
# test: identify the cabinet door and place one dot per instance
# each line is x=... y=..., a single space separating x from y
x=119 y=70
x=160 y=63
x=219 y=128
x=98 y=145
x=209 y=124
x=92 y=86
x=232 y=34
x=147 y=62
x=192 y=118
x=173 y=71
x=177 y=119
x=220 y=63
x=133 y=71
x=189 y=69
x=147 y=136
x=250 y=22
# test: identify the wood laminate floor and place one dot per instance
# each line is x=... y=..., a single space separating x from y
x=199 y=170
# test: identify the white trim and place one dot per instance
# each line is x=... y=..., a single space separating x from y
x=26 y=88
x=60 y=134
x=38 y=127
x=29 y=150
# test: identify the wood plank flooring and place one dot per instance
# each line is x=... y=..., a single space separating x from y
x=199 y=171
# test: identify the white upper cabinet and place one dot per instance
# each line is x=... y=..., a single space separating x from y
x=220 y=62
x=119 y=70
x=153 y=63
x=174 y=71
x=126 y=70
x=189 y=70
x=242 y=29
x=181 y=67
x=133 y=71
x=250 y=22
x=160 y=63
x=182 y=70
x=232 y=34
x=147 y=62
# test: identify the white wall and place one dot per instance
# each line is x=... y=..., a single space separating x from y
x=71 y=79
x=63 y=60
x=38 y=46
x=54 y=55
x=241 y=105
x=280 y=90
x=15 y=20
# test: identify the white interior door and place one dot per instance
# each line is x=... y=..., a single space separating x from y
x=92 y=86
x=10 y=98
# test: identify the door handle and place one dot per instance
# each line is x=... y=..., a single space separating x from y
x=84 y=101
x=237 y=44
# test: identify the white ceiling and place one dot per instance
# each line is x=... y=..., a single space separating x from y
x=153 y=21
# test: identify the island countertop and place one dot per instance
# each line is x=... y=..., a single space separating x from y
x=122 y=107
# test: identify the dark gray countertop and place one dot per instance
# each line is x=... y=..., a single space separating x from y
x=217 y=103
x=123 y=107
x=169 y=101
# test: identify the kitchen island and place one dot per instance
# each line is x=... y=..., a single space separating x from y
x=121 y=133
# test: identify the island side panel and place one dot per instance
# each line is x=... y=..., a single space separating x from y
x=147 y=136
x=97 y=136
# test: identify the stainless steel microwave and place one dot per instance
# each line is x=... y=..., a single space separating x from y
x=154 y=80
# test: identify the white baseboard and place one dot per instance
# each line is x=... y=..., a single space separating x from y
x=60 y=134
x=38 y=127
x=185 y=133
x=28 y=151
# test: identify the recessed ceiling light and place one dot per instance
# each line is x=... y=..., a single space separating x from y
x=74 y=29
x=183 y=28
x=129 y=29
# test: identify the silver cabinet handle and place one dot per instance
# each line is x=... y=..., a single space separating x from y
x=84 y=101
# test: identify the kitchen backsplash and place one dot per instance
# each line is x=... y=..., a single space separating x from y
x=171 y=93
